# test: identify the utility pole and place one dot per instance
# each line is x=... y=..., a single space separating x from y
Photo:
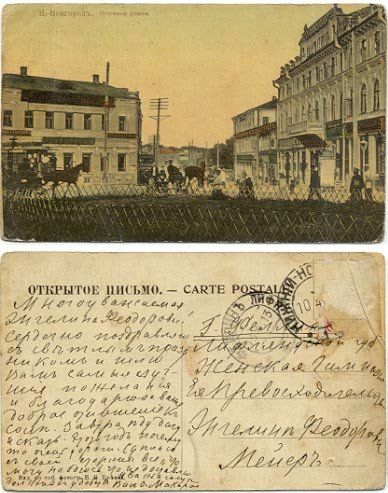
x=158 y=105
x=106 y=117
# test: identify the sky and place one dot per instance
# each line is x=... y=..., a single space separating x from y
x=211 y=61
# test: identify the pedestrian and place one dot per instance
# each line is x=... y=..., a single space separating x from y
x=315 y=184
x=356 y=186
x=288 y=169
x=368 y=185
x=303 y=167
x=292 y=185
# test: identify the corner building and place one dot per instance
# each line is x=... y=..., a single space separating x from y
x=65 y=120
x=254 y=138
x=332 y=97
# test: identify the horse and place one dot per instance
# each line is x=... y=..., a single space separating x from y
x=59 y=176
x=197 y=172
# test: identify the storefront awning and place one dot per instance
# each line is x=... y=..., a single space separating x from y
x=311 y=140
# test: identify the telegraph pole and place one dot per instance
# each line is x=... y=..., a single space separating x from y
x=106 y=118
x=159 y=105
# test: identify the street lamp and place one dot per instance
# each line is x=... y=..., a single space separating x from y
x=364 y=147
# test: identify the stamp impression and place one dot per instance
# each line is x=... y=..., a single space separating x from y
x=252 y=328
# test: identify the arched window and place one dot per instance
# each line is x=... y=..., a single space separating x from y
x=332 y=107
x=324 y=110
x=363 y=98
x=316 y=111
x=376 y=95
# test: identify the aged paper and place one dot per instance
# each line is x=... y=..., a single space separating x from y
x=192 y=371
x=194 y=122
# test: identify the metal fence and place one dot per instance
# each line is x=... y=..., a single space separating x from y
x=197 y=214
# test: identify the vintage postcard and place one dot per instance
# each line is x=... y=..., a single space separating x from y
x=197 y=123
x=192 y=371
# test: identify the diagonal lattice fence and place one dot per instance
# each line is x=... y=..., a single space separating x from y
x=142 y=213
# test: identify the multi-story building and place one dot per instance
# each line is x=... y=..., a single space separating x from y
x=71 y=122
x=254 y=134
x=332 y=96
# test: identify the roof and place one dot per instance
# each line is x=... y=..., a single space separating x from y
x=33 y=83
x=271 y=104
x=320 y=23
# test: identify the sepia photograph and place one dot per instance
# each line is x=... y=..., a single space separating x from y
x=193 y=123
x=149 y=372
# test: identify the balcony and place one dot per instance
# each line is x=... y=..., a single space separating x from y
x=306 y=127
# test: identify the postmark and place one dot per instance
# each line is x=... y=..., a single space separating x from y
x=296 y=303
x=253 y=331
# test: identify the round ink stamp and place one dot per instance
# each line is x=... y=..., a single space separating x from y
x=296 y=303
x=253 y=329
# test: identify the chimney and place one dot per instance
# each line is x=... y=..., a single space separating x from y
x=23 y=71
x=96 y=78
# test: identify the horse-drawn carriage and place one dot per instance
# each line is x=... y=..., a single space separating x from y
x=35 y=181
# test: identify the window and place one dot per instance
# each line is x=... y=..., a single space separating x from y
x=104 y=164
x=341 y=108
x=309 y=113
x=316 y=111
x=377 y=42
x=317 y=74
x=49 y=119
x=324 y=110
x=67 y=161
x=121 y=123
x=297 y=114
x=297 y=84
x=376 y=95
x=121 y=162
x=29 y=119
x=265 y=120
x=69 y=121
x=309 y=79
x=363 y=50
x=304 y=81
x=332 y=67
x=332 y=107
x=7 y=118
x=87 y=121
x=324 y=71
x=86 y=161
x=363 y=99
x=102 y=122
x=303 y=114
x=341 y=61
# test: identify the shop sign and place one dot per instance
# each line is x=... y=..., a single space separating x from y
x=121 y=136
x=289 y=143
x=78 y=141
x=17 y=133
x=371 y=125
x=333 y=129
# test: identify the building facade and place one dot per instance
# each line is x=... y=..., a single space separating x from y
x=65 y=122
x=254 y=134
x=331 y=110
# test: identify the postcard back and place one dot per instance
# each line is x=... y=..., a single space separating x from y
x=192 y=371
